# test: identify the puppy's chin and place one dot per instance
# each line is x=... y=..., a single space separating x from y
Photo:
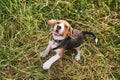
x=58 y=37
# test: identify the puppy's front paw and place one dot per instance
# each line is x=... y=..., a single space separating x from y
x=43 y=54
x=46 y=65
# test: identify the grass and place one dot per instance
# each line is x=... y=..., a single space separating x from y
x=24 y=33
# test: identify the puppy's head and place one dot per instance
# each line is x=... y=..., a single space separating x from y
x=61 y=28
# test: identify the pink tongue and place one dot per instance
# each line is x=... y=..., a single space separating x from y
x=55 y=33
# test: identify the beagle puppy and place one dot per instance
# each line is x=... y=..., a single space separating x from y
x=64 y=37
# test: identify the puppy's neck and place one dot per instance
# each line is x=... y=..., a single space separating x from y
x=61 y=43
x=57 y=41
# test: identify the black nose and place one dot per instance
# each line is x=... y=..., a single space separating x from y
x=58 y=27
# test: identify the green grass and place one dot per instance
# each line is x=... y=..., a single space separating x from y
x=24 y=33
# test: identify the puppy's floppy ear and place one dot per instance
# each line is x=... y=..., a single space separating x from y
x=70 y=32
x=52 y=22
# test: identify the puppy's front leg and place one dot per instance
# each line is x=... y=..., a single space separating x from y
x=54 y=58
x=45 y=53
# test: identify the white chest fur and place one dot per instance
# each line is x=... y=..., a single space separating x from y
x=53 y=44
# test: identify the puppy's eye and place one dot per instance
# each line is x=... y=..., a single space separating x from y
x=58 y=22
x=66 y=26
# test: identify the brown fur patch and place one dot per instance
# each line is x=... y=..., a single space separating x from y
x=67 y=29
x=65 y=32
x=61 y=52
x=52 y=22
x=70 y=32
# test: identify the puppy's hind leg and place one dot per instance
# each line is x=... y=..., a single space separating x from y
x=77 y=57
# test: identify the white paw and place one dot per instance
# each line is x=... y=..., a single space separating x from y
x=43 y=54
x=77 y=57
x=46 y=65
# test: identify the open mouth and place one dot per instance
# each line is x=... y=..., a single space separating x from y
x=56 y=33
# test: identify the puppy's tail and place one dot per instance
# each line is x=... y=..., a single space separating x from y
x=91 y=33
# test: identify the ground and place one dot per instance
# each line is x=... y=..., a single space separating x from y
x=24 y=33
